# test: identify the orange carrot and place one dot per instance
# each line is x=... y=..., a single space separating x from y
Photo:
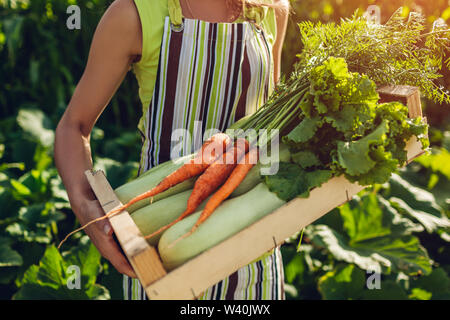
x=234 y=180
x=212 y=149
x=210 y=180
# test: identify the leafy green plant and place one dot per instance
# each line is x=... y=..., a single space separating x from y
x=342 y=130
x=389 y=53
x=51 y=278
x=36 y=214
x=398 y=229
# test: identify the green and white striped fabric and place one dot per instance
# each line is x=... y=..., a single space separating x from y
x=209 y=75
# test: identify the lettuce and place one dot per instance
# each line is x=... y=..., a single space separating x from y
x=344 y=130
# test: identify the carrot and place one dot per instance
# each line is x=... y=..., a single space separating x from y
x=236 y=177
x=212 y=149
x=210 y=180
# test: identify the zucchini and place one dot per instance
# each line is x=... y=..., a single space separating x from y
x=229 y=218
x=158 y=214
x=149 y=180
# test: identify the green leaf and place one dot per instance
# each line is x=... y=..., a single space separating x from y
x=42 y=159
x=41 y=214
x=117 y=173
x=37 y=124
x=316 y=178
x=364 y=220
x=430 y=222
x=437 y=284
x=19 y=189
x=420 y=294
x=415 y=197
x=8 y=256
x=344 y=120
x=371 y=216
x=437 y=162
x=382 y=254
x=98 y=292
x=87 y=257
x=304 y=131
x=12 y=27
x=289 y=182
x=389 y=290
x=343 y=282
x=379 y=174
x=399 y=224
x=294 y=268
x=17 y=165
x=9 y=204
x=305 y=159
x=36 y=181
x=23 y=232
x=292 y=181
x=354 y=156
x=48 y=280
x=58 y=190
x=35 y=291
x=51 y=269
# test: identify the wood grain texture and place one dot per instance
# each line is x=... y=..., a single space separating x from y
x=143 y=258
x=407 y=95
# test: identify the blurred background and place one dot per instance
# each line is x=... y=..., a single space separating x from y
x=399 y=229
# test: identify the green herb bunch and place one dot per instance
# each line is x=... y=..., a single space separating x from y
x=399 y=52
x=343 y=130
x=328 y=112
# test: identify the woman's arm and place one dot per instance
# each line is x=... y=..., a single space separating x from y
x=116 y=43
x=282 y=21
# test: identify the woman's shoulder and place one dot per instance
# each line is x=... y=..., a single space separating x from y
x=122 y=18
x=123 y=11
x=119 y=28
x=131 y=12
x=138 y=21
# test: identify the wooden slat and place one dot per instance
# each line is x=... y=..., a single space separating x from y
x=408 y=95
x=414 y=105
x=397 y=91
x=148 y=266
x=143 y=258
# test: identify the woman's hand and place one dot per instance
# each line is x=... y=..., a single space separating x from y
x=101 y=235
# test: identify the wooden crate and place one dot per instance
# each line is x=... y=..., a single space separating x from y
x=191 y=279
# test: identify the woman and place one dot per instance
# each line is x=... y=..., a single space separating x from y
x=203 y=63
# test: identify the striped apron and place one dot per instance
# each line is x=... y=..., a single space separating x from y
x=209 y=76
